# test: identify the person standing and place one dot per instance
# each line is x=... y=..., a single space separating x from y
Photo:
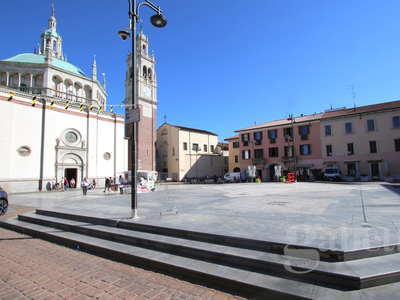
x=94 y=183
x=106 y=185
x=85 y=184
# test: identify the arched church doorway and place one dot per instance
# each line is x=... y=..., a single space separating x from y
x=71 y=173
x=236 y=170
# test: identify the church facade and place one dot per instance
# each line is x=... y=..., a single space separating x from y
x=54 y=121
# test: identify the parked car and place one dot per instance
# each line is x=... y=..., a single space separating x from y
x=3 y=201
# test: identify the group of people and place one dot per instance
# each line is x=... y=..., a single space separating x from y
x=64 y=184
x=109 y=183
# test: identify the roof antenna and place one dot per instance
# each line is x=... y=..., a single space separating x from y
x=352 y=87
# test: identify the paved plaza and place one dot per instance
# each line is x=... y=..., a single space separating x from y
x=328 y=215
x=346 y=216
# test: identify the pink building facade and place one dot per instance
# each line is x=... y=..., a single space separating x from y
x=284 y=145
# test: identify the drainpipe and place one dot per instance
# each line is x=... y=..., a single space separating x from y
x=115 y=148
x=42 y=144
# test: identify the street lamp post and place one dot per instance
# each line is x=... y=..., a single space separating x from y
x=157 y=20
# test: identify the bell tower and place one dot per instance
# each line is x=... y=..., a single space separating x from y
x=146 y=98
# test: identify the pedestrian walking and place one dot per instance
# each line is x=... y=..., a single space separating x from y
x=85 y=184
x=94 y=183
x=64 y=182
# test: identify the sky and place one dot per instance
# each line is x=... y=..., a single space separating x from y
x=226 y=65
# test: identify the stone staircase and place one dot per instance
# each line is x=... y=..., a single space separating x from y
x=257 y=269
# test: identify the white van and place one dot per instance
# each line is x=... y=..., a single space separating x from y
x=230 y=177
x=333 y=173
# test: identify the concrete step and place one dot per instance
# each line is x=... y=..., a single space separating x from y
x=276 y=244
x=226 y=262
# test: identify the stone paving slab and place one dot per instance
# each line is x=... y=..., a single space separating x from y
x=35 y=269
x=336 y=215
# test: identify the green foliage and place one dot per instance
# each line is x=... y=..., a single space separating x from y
x=318 y=174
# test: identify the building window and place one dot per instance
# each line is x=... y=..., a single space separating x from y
x=395 y=122
x=236 y=159
x=304 y=131
x=273 y=152
x=212 y=148
x=195 y=147
x=329 y=150
x=24 y=151
x=257 y=138
x=235 y=145
x=397 y=145
x=348 y=127
x=205 y=148
x=246 y=154
x=245 y=139
x=350 y=148
x=305 y=149
x=107 y=156
x=173 y=151
x=288 y=134
x=184 y=146
x=288 y=151
x=259 y=153
x=373 y=147
x=328 y=130
x=272 y=135
x=371 y=125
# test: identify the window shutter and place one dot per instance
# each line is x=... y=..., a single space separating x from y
x=301 y=149
x=308 y=129
x=309 y=148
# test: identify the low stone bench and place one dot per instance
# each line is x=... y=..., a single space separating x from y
x=209 y=181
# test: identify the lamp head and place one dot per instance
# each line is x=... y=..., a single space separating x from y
x=158 y=20
x=124 y=34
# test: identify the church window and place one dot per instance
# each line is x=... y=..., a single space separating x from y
x=24 y=151
x=144 y=49
x=54 y=45
x=144 y=72
x=149 y=73
x=71 y=137
x=107 y=156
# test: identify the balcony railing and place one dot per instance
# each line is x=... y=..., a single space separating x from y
x=256 y=161
x=289 y=159
x=57 y=95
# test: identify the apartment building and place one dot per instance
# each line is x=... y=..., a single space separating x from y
x=283 y=145
x=183 y=152
x=234 y=152
x=363 y=140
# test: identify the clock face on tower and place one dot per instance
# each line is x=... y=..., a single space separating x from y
x=147 y=91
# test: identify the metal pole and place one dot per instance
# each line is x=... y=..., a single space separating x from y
x=132 y=14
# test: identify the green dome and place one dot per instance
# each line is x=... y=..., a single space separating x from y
x=53 y=33
x=40 y=59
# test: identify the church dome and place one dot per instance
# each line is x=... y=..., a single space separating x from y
x=29 y=58
x=141 y=36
